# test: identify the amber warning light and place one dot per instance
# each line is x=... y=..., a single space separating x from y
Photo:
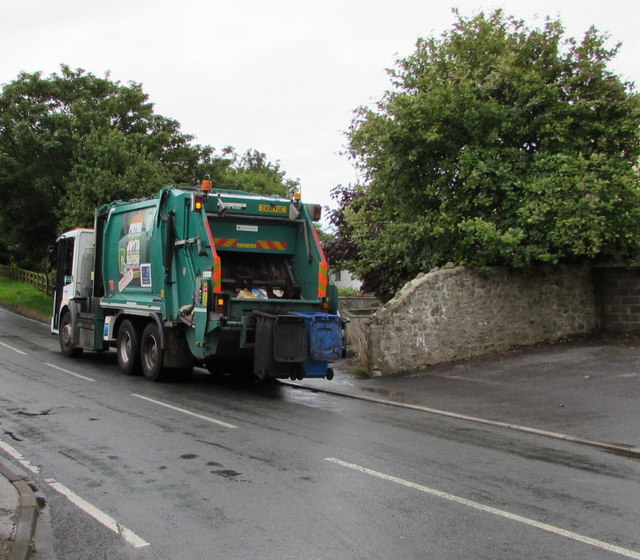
x=207 y=185
x=197 y=203
x=221 y=303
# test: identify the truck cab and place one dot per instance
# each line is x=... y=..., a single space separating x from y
x=73 y=286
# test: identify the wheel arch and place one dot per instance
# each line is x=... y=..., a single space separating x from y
x=73 y=314
x=140 y=320
x=61 y=311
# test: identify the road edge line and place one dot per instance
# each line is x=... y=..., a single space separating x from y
x=100 y=516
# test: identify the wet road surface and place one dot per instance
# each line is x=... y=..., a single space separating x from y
x=212 y=468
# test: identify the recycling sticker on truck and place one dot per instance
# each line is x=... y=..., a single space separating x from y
x=145 y=275
x=125 y=280
x=134 y=248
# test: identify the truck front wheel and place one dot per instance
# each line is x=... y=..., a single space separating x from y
x=127 y=348
x=151 y=353
x=65 y=329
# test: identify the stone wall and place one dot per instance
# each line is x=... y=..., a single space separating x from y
x=357 y=310
x=618 y=291
x=348 y=303
x=455 y=313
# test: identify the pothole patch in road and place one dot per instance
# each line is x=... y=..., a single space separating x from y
x=14 y=437
x=23 y=412
x=226 y=473
x=188 y=456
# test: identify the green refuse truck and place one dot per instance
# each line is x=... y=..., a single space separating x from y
x=228 y=280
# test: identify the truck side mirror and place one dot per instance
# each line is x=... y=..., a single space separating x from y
x=51 y=257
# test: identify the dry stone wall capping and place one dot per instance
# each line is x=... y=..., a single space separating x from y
x=456 y=313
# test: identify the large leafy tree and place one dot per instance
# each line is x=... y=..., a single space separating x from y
x=108 y=165
x=497 y=144
x=62 y=138
x=73 y=141
x=255 y=173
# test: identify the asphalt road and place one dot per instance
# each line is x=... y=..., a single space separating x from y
x=211 y=469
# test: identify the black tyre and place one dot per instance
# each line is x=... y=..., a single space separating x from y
x=151 y=353
x=128 y=348
x=65 y=329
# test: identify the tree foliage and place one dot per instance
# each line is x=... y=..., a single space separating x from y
x=108 y=165
x=254 y=173
x=496 y=145
x=73 y=141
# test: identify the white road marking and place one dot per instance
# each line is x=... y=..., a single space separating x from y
x=18 y=457
x=488 y=509
x=13 y=348
x=184 y=411
x=69 y=372
x=100 y=516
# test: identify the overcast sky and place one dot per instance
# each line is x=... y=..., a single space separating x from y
x=279 y=76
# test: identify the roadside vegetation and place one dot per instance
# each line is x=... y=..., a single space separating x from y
x=25 y=299
x=72 y=141
x=496 y=144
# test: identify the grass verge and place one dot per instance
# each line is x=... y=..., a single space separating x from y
x=25 y=299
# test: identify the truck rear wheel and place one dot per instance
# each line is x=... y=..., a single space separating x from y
x=127 y=348
x=151 y=353
x=66 y=346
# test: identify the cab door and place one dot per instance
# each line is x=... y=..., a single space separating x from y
x=64 y=278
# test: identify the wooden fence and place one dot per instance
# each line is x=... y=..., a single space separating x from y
x=37 y=279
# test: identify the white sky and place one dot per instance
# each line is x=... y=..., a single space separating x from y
x=279 y=76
